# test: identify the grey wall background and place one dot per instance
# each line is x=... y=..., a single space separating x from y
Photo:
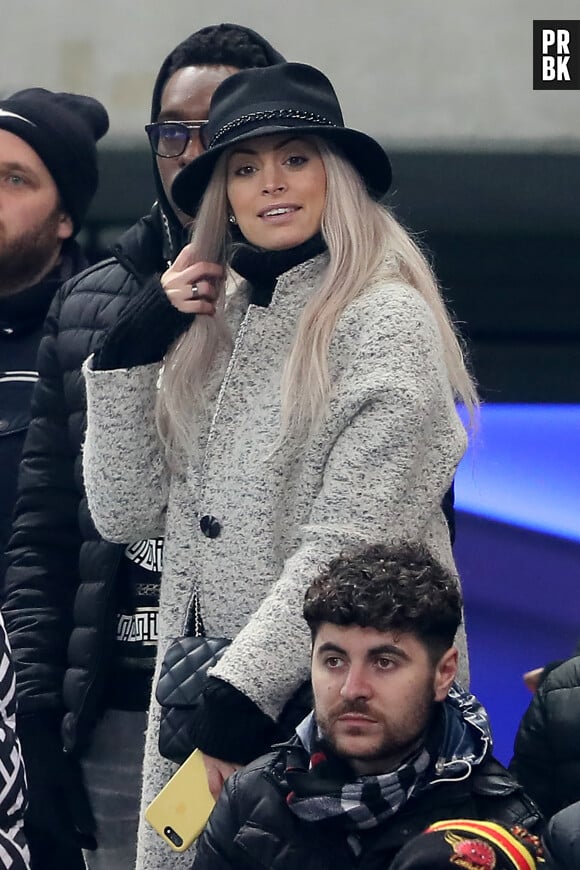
x=445 y=73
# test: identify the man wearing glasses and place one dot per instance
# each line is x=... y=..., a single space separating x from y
x=81 y=612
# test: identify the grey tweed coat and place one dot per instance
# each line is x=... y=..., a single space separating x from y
x=375 y=469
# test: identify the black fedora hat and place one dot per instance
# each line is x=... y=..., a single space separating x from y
x=275 y=99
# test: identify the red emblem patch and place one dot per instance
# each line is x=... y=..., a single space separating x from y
x=471 y=854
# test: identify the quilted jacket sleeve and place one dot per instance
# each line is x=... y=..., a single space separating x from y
x=42 y=576
x=547 y=759
x=562 y=839
x=215 y=847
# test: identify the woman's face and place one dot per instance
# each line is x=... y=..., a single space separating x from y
x=276 y=188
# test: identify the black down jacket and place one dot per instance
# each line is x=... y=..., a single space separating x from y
x=60 y=583
x=547 y=746
x=22 y=318
x=562 y=840
x=251 y=828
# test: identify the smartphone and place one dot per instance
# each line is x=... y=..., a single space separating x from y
x=180 y=811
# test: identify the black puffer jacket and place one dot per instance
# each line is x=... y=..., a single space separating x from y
x=562 y=839
x=53 y=600
x=547 y=746
x=252 y=828
x=21 y=326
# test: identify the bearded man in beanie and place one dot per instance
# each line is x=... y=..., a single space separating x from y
x=48 y=176
x=81 y=613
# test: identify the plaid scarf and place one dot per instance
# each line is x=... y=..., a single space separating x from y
x=329 y=789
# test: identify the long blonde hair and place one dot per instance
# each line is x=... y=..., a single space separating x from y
x=366 y=244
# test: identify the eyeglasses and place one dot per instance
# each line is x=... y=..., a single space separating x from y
x=171 y=138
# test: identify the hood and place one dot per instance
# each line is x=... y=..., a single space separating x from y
x=466 y=736
x=173 y=231
x=142 y=248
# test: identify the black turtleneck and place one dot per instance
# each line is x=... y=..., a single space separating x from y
x=262 y=268
x=149 y=323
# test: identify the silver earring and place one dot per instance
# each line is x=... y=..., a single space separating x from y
x=232 y=219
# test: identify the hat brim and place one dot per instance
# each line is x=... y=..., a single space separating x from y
x=365 y=154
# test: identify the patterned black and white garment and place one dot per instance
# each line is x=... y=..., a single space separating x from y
x=14 y=853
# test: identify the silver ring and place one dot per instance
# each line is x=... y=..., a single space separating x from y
x=194 y=291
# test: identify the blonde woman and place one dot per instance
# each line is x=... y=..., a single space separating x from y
x=310 y=410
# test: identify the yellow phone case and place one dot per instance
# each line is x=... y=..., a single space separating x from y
x=180 y=811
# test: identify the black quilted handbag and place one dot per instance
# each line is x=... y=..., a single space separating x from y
x=181 y=683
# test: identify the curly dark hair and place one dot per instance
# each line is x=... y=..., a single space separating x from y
x=389 y=588
x=227 y=44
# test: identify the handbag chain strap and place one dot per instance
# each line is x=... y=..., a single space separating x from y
x=195 y=617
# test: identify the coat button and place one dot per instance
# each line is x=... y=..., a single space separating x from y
x=210 y=526
x=4 y=424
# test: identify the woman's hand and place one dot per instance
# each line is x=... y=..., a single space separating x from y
x=217 y=773
x=192 y=288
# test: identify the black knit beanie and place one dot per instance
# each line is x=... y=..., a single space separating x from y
x=63 y=130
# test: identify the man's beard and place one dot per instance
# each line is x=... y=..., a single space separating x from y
x=397 y=742
x=28 y=258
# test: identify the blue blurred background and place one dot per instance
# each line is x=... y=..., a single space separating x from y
x=518 y=551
